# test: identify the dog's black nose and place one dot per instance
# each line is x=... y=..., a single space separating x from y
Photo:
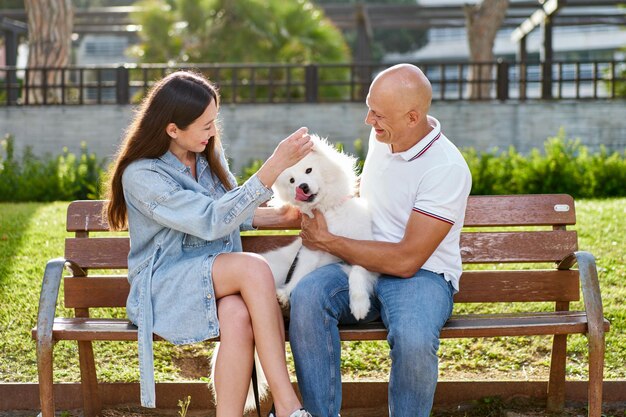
x=304 y=187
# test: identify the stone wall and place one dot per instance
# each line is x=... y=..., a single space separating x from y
x=251 y=131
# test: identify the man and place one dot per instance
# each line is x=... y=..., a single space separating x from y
x=416 y=183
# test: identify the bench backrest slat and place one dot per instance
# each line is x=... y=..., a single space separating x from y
x=476 y=247
x=476 y=287
x=514 y=210
x=98 y=253
x=508 y=247
x=520 y=210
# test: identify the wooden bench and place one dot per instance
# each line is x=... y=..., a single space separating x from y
x=483 y=243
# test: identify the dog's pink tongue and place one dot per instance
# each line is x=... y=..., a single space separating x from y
x=301 y=195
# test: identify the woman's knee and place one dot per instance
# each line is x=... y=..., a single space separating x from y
x=258 y=268
x=254 y=272
x=234 y=317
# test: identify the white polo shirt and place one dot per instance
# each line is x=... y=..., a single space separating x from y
x=431 y=178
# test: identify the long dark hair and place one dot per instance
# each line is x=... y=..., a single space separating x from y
x=179 y=98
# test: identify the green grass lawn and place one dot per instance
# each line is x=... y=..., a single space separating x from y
x=30 y=234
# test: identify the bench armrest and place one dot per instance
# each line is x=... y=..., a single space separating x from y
x=49 y=296
x=591 y=290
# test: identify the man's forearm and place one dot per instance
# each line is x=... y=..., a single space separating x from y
x=382 y=257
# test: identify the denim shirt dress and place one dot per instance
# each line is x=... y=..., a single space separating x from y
x=177 y=226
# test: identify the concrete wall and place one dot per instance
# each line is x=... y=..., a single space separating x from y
x=252 y=131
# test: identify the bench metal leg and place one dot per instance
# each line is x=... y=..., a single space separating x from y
x=596 y=371
x=92 y=405
x=556 y=384
x=45 y=344
x=44 y=367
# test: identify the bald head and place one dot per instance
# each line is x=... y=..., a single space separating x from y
x=398 y=103
x=407 y=85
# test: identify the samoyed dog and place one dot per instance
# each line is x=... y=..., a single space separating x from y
x=324 y=180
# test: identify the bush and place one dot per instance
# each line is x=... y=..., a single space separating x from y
x=65 y=177
x=565 y=166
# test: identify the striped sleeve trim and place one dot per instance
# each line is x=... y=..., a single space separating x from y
x=433 y=215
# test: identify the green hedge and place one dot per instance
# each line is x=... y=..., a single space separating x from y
x=564 y=166
x=65 y=177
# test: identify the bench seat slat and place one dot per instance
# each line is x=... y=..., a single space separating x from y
x=476 y=287
x=479 y=325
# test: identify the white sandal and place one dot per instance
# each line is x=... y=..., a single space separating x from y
x=298 y=413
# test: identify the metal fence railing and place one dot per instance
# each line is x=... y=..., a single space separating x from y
x=316 y=83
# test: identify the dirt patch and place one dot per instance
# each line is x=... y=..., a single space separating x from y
x=192 y=367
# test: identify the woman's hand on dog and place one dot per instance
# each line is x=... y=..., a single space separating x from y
x=288 y=152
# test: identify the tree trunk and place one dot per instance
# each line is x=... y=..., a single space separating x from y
x=49 y=42
x=483 y=21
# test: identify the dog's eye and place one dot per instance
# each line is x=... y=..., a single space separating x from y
x=291 y=180
x=308 y=170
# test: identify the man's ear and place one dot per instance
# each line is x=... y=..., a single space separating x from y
x=414 y=117
x=172 y=130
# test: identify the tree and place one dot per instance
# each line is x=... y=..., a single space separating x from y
x=244 y=31
x=286 y=31
x=482 y=21
x=49 y=43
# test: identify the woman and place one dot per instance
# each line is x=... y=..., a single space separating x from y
x=189 y=280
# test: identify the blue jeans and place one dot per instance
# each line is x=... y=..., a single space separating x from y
x=413 y=309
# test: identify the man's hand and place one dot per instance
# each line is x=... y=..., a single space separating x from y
x=315 y=232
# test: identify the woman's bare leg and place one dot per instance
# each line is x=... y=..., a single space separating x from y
x=233 y=366
x=249 y=275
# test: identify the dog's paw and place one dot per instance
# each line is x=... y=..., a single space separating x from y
x=359 y=305
x=283 y=297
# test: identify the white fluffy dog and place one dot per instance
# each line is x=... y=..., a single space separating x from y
x=324 y=180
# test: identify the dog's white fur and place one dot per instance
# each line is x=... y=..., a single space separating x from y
x=324 y=180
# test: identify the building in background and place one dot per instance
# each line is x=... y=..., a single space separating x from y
x=594 y=42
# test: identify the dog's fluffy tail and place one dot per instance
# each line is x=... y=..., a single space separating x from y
x=262 y=381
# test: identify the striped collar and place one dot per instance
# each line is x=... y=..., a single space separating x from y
x=423 y=144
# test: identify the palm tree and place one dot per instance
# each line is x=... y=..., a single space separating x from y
x=242 y=31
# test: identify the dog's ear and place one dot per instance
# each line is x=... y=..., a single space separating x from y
x=322 y=145
x=316 y=143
